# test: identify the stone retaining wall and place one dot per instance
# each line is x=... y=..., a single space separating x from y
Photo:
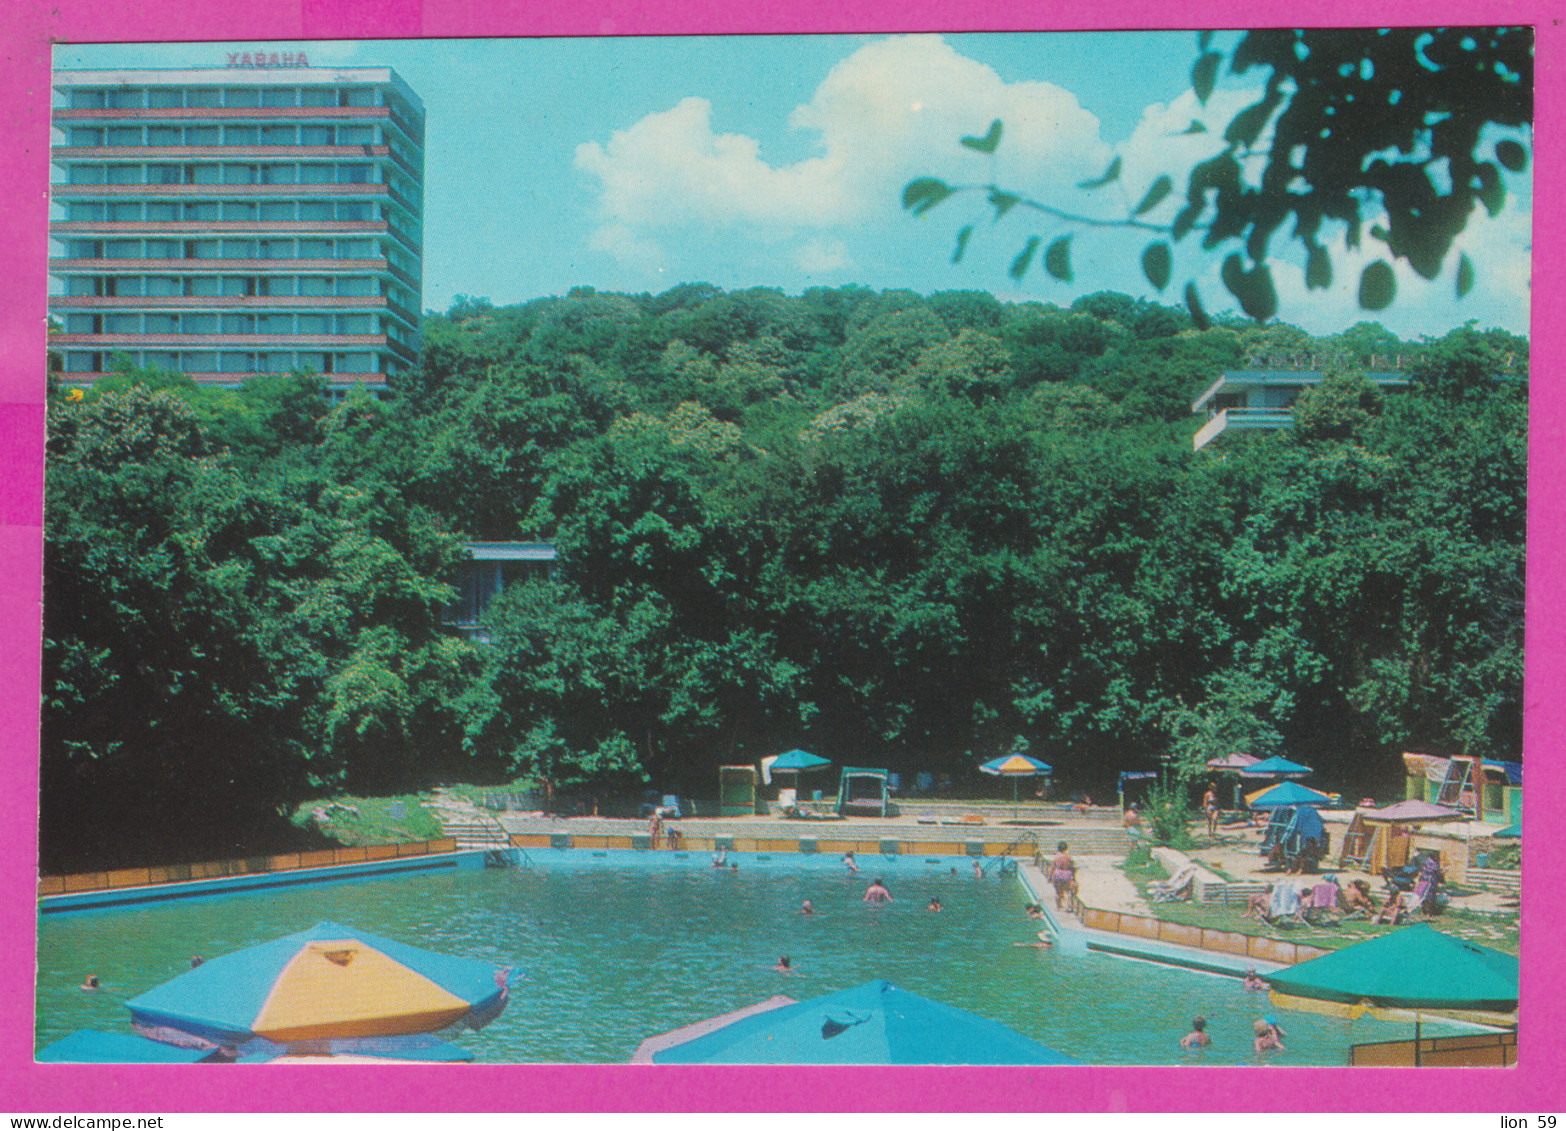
x=1204 y=938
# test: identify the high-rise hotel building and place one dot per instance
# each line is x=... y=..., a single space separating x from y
x=261 y=217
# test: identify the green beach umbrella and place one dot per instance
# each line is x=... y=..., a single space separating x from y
x=1417 y=968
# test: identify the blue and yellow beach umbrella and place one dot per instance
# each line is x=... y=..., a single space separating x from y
x=329 y=982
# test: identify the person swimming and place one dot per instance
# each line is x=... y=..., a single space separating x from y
x=720 y=859
x=784 y=966
x=91 y=983
x=1198 y=1037
x=807 y=908
x=850 y=862
x=1268 y=1036
x=1253 y=980
x=934 y=905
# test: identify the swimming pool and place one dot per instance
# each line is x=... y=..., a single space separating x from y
x=612 y=947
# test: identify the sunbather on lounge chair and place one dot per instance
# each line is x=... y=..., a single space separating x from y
x=1357 y=901
x=1323 y=904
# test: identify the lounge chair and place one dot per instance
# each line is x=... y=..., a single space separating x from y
x=1285 y=905
x=1321 y=908
x=1176 y=887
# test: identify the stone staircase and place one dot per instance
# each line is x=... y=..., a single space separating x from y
x=471 y=827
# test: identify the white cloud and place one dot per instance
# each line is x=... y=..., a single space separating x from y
x=822 y=257
x=891 y=111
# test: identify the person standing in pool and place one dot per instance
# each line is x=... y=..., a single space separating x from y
x=978 y=870
x=848 y=860
x=877 y=892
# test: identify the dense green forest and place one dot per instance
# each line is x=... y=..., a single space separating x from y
x=913 y=532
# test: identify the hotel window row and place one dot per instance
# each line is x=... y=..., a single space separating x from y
x=343 y=232
x=224 y=249
x=135 y=136
x=232 y=364
x=172 y=97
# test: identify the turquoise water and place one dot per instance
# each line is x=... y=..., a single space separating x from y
x=612 y=950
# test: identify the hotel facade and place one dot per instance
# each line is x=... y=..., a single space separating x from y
x=261 y=217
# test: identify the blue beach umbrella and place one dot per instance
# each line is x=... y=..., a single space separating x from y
x=1288 y=793
x=330 y=982
x=796 y=760
x=1276 y=767
x=875 y=1023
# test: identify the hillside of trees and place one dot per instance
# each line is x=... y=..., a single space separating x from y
x=902 y=531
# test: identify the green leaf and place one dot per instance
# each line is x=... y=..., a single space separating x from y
x=1247 y=125
x=1057 y=259
x=1156 y=263
x=1193 y=303
x=1205 y=75
x=962 y=243
x=1003 y=202
x=1465 y=275
x=924 y=194
x=988 y=142
x=1194 y=128
x=1155 y=195
x=1512 y=155
x=1318 y=269
x=1377 y=286
x=1110 y=174
x=1253 y=289
x=1019 y=266
x=1490 y=191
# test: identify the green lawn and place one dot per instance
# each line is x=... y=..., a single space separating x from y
x=1499 y=932
x=378 y=820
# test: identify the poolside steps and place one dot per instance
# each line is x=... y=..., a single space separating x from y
x=1495 y=879
x=475 y=833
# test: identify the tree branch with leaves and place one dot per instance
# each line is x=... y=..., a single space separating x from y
x=1393 y=129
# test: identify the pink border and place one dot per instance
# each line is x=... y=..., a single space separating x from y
x=26 y=1087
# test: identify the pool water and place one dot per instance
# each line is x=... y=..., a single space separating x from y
x=609 y=951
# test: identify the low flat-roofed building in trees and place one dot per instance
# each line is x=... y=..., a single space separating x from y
x=261 y=217
x=1261 y=395
x=490 y=567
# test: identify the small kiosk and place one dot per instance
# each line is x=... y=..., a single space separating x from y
x=737 y=791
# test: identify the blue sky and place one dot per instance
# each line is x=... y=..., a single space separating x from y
x=638 y=164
